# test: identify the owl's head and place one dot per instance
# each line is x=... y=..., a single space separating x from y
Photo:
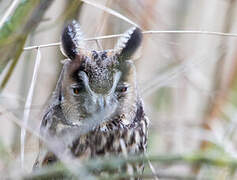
x=95 y=81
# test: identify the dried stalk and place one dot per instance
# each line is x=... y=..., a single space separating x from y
x=8 y=12
x=112 y=163
x=28 y=104
x=110 y=11
x=16 y=28
x=212 y=33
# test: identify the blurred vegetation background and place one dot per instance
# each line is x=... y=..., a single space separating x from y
x=188 y=81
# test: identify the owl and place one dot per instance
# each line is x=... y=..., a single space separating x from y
x=96 y=109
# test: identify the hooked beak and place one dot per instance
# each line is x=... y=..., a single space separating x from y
x=104 y=100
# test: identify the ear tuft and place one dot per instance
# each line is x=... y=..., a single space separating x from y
x=71 y=39
x=129 y=43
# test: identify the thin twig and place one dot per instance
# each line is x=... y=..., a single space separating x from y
x=99 y=45
x=58 y=170
x=110 y=11
x=6 y=114
x=28 y=104
x=155 y=174
x=59 y=43
x=42 y=46
x=150 y=176
x=211 y=33
x=195 y=32
x=112 y=163
x=8 y=12
x=15 y=60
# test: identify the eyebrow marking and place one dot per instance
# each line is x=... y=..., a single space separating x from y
x=95 y=55
x=86 y=81
x=117 y=76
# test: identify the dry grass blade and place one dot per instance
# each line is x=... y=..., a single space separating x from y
x=28 y=104
x=212 y=33
x=191 y=32
x=42 y=46
x=8 y=12
x=154 y=172
x=110 y=11
x=18 y=53
x=59 y=43
x=5 y=114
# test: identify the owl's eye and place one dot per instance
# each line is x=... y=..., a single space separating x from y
x=122 y=89
x=76 y=90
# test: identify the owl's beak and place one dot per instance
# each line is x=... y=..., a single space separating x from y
x=101 y=101
x=104 y=100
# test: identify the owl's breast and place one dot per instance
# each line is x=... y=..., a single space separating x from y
x=114 y=138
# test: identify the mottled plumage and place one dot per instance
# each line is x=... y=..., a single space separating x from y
x=97 y=101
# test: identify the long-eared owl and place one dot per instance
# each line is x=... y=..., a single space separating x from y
x=96 y=99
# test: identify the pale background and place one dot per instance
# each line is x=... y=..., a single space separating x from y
x=186 y=80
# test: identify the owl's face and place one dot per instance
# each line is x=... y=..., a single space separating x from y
x=97 y=82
